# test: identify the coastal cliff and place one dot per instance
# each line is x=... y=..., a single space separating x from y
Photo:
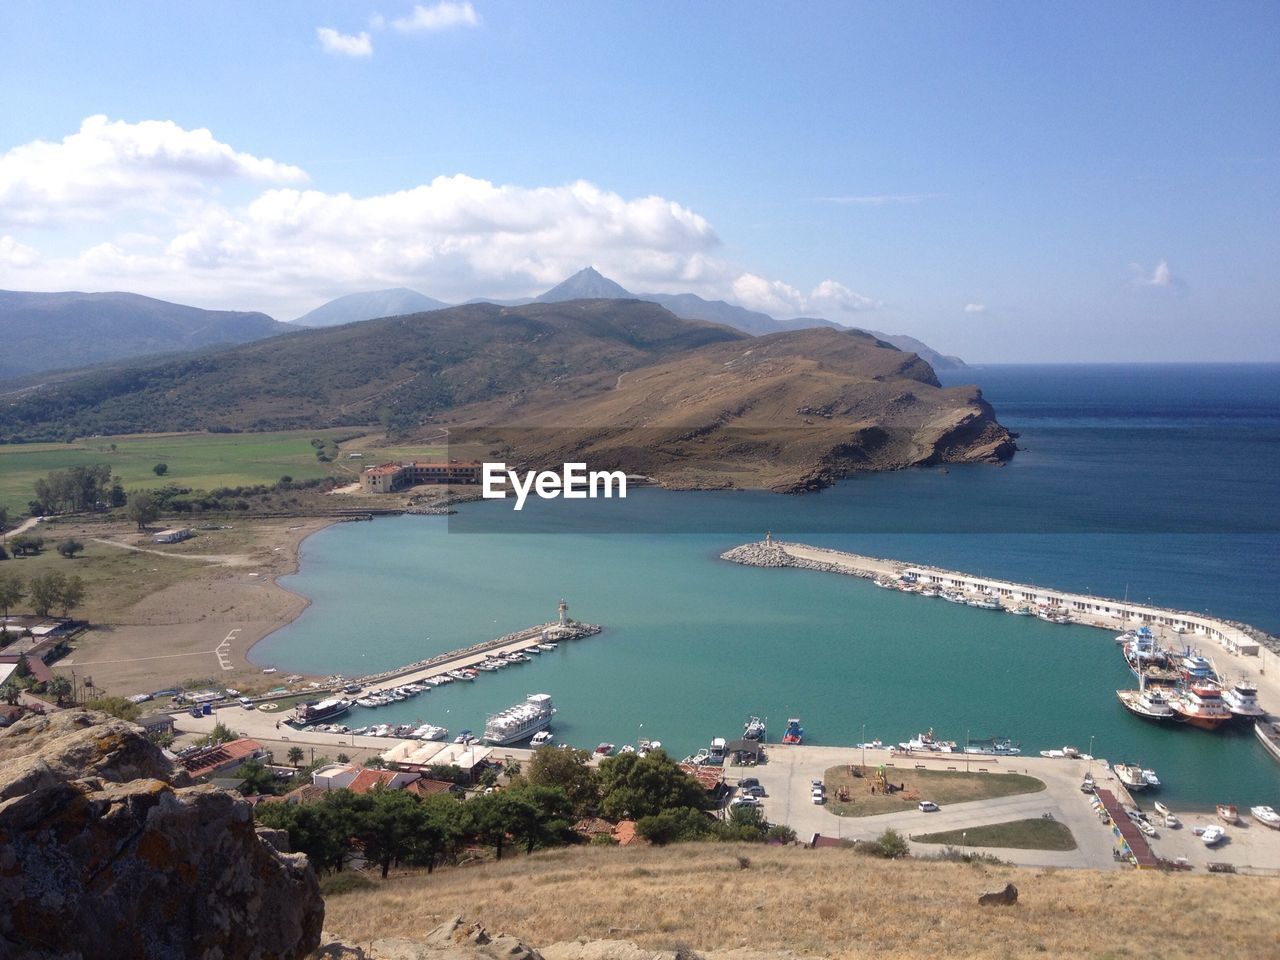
x=106 y=852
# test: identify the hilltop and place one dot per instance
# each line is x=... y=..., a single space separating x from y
x=368 y=306
x=787 y=901
x=787 y=411
x=59 y=331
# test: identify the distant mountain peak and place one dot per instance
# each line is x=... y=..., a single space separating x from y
x=587 y=284
x=368 y=305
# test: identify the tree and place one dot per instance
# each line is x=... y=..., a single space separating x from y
x=566 y=770
x=537 y=816
x=72 y=595
x=47 y=591
x=59 y=687
x=12 y=591
x=4 y=522
x=255 y=779
x=746 y=823
x=70 y=547
x=674 y=826
x=22 y=669
x=10 y=692
x=635 y=786
x=160 y=469
x=487 y=820
x=141 y=509
x=295 y=755
x=390 y=826
x=25 y=544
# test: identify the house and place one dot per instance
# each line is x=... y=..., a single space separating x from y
x=157 y=724
x=416 y=756
x=347 y=776
x=389 y=477
x=224 y=757
x=176 y=535
x=427 y=787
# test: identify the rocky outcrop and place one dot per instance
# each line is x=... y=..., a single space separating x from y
x=106 y=852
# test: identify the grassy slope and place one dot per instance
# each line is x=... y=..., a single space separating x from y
x=1037 y=834
x=825 y=902
x=201 y=460
x=940 y=786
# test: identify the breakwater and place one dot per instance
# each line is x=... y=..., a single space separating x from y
x=1103 y=612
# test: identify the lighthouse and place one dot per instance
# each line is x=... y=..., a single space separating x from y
x=564 y=614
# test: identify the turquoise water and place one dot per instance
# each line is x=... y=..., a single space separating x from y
x=1184 y=490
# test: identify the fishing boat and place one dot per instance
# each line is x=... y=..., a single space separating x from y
x=1228 y=813
x=604 y=749
x=1241 y=698
x=1150 y=704
x=520 y=721
x=1197 y=668
x=1067 y=753
x=1213 y=835
x=542 y=738
x=1162 y=808
x=1268 y=734
x=1147 y=827
x=1172 y=822
x=993 y=746
x=930 y=591
x=646 y=747
x=463 y=674
x=953 y=596
x=795 y=732
x=985 y=602
x=546 y=647
x=1130 y=774
x=1149 y=775
x=1266 y=816
x=466 y=736
x=717 y=753
x=1201 y=706
x=627 y=748
x=754 y=729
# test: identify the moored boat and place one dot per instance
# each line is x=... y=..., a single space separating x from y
x=1266 y=816
x=753 y=729
x=1130 y=774
x=1201 y=706
x=1228 y=813
x=1149 y=775
x=1268 y=734
x=319 y=711
x=542 y=738
x=794 y=732
x=1162 y=808
x=520 y=721
x=604 y=749
x=1150 y=704
x=1241 y=698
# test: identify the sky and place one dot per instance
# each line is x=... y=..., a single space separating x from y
x=1006 y=181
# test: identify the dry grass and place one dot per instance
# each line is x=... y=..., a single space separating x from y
x=823 y=902
x=940 y=786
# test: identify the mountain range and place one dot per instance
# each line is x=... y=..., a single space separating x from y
x=58 y=331
x=590 y=284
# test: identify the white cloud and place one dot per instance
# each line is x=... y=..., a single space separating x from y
x=345 y=45
x=1160 y=277
x=444 y=15
x=975 y=308
x=15 y=254
x=829 y=299
x=139 y=209
x=109 y=165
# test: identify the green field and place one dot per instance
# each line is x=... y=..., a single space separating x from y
x=201 y=461
x=940 y=786
x=1037 y=834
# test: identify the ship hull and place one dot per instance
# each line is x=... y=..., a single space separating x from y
x=505 y=740
x=1203 y=723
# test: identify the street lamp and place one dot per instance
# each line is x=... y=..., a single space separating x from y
x=1091 y=753
x=864 y=748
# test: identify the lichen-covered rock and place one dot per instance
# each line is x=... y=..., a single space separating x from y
x=104 y=853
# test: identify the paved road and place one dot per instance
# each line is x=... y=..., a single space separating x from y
x=787 y=775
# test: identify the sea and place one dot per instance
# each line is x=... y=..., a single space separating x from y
x=1158 y=483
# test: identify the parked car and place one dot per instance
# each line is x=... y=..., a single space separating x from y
x=246 y=703
x=928 y=806
x=817 y=784
x=755 y=791
x=819 y=795
x=745 y=802
x=746 y=782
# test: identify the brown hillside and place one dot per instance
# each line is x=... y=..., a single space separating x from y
x=826 y=903
x=787 y=411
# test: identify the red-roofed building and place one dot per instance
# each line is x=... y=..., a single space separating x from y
x=369 y=779
x=389 y=477
x=224 y=757
x=427 y=787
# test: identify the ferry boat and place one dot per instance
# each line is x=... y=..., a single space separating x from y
x=521 y=721
x=753 y=729
x=795 y=732
x=320 y=711
x=1266 y=816
x=1201 y=706
x=1268 y=734
x=1241 y=699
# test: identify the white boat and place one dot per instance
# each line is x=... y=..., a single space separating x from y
x=1172 y=822
x=930 y=591
x=1241 y=699
x=985 y=603
x=1130 y=775
x=462 y=674
x=520 y=721
x=542 y=738
x=1146 y=827
x=1150 y=776
x=429 y=731
x=1212 y=835
x=1266 y=816
x=1162 y=809
x=546 y=647
x=368 y=703
x=1067 y=753
x=627 y=748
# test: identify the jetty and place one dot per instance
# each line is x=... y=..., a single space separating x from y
x=563 y=628
x=1107 y=613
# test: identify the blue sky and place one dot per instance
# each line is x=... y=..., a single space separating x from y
x=1005 y=181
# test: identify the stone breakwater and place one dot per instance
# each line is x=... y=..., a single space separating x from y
x=774 y=554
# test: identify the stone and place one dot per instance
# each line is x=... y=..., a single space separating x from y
x=110 y=855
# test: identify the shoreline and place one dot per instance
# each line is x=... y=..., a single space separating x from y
x=304 y=602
